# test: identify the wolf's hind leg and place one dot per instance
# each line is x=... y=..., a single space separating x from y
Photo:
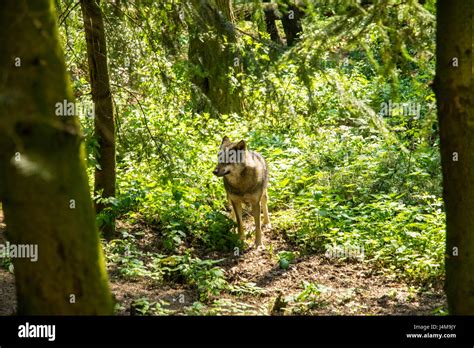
x=258 y=231
x=266 y=219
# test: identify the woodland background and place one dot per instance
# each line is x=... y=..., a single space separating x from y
x=336 y=95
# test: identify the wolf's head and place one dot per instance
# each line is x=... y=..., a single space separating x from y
x=231 y=157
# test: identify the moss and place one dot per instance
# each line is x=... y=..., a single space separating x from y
x=37 y=189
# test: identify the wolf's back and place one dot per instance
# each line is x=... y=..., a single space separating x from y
x=263 y=162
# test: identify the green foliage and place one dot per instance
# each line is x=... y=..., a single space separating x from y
x=7 y=264
x=208 y=280
x=219 y=236
x=247 y=288
x=132 y=263
x=143 y=306
x=307 y=299
x=341 y=170
x=285 y=258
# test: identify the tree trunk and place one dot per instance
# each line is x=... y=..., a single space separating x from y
x=454 y=91
x=212 y=36
x=291 y=20
x=43 y=181
x=225 y=7
x=270 y=22
x=104 y=122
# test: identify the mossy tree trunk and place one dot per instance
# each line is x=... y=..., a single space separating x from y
x=43 y=181
x=454 y=91
x=291 y=21
x=104 y=122
x=271 y=16
x=212 y=51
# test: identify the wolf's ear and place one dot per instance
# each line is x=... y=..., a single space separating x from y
x=225 y=140
x=240 y=145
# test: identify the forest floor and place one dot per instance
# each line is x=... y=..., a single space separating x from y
x=344 y=288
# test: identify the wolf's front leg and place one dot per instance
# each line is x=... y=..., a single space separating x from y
x=232 y=210
x=237 y=205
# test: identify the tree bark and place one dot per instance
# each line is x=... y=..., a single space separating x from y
x=270 y=22
x=104 y=122
x=291 y=20
x=43 y=181
x=454 y=91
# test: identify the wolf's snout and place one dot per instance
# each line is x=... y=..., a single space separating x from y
x=220 y=172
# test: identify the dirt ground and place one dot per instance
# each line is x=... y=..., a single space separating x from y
x=347 y=288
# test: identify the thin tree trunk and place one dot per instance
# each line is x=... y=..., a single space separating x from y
x=270 y=22
x=104 y=114
x=454 y=91
x=43 y=181
x=291 y=20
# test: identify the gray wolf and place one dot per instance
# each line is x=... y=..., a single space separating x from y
x=245 y=176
